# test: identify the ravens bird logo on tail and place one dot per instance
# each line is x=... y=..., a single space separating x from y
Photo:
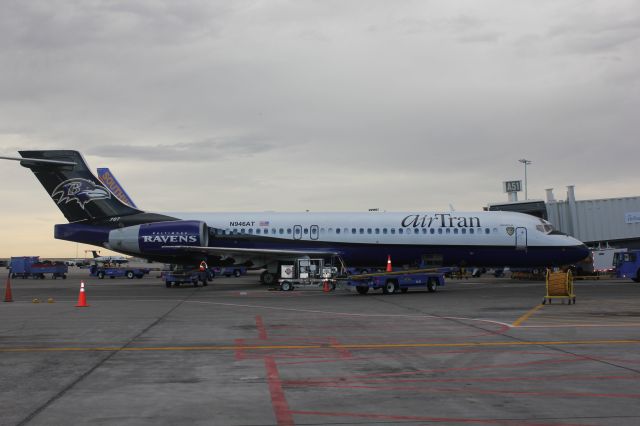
x=82 y=191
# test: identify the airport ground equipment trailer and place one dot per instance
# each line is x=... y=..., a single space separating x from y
x=33 y=267
x=181 y=276
x=229 y=271
x=102 y=271
x=627 y=265
x=396 y=281
x=308 y=272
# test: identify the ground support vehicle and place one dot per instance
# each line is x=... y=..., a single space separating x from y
x=396 y=281
x=102 y=271
x=31 y=266
x=228 y=271
x=177 y=277
x=307 y=272
x=628 y=265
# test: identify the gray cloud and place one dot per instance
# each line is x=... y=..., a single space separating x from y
x=204 y=151
x=339 y=105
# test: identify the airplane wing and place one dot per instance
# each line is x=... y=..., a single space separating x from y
x=231 y=251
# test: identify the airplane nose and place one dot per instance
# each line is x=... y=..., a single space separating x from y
x=582 y=250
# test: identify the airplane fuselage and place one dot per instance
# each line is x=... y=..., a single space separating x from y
x=452 y=238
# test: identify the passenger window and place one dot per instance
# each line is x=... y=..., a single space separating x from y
x=250 y=230
x=455 y=231
x=306 y=231
x=416 y=231
x=322 y=230
x=448 y=230
x=400 y=231
x=235 y=232
x=384 y=230
x=273 y=231
x=369 y=231
x=495 y=230
x=289 y=231
x=464 y=231
x=337 y=230
x=330 y=230
x=281 y=231
x=471 y=231
x=424 y=230
x=487 y=231
x=393 y=230
x=353 y=230
x=439 y=230
x=362 y=230
x=432 y=231
x=377 y=230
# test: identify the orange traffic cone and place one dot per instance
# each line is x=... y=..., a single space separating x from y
x=389 y=268
x=82 y=298
x=8 y=297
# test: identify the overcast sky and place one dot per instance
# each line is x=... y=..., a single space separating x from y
x=320 y=105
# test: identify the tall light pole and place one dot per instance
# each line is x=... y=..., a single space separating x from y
x=526 y=163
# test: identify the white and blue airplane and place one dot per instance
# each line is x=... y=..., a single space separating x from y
x=265 y=239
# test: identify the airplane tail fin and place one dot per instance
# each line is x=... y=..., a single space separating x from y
x=75 y=190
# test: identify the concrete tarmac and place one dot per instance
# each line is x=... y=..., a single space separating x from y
x=478 y=352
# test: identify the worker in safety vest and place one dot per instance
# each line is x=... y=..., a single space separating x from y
x=202 y=274
x=203 y=266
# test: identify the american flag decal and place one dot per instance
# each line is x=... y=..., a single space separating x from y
x=263 y=223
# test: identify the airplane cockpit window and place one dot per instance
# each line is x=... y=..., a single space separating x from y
x=545 y=227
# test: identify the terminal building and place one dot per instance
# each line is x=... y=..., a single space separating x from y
x=606 y=222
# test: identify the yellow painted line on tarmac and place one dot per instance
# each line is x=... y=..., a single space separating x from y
x=340 y=346
x=526 y=316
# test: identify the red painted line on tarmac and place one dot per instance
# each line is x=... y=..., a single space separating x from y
x=344 y=352
x=509 y=392
x=278 y=399
x=262 y=331
x=240 y=353
x=449 y=420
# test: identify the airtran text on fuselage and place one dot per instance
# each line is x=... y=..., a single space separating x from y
x=442 y=220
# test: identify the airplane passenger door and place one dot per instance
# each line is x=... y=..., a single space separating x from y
x=297 y=232
x=521 y=238
x=313 y=232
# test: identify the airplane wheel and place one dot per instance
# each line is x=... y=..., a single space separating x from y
x=236 y=273
x=432 y=285
x=130 y=275
x=361 y=289
x=168 y=284
x=101 y=275
x=268 y=278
